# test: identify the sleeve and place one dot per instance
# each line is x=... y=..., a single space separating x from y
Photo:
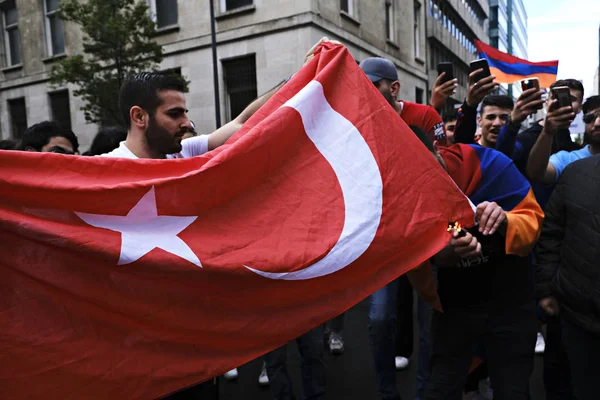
x=548 y=249
x=435 y=125
x=194 y=146
x=560 y=161
x=466 y=125
x=524 y=223
x=506 y=140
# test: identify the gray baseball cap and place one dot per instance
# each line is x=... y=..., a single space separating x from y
x=378 y=68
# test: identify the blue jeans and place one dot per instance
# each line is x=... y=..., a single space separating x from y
x=382 y=339
x=312 y=368
x=425 y=312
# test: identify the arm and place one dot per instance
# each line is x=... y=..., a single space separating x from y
x=528 y=102
x=221 y=135
x=538 y=165
x=466 y=125
x=548 y=250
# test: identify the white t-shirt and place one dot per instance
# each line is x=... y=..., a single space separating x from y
x=191 y=147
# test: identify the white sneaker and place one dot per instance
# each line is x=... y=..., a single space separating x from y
x=540 y=344
x=230 y=375
x=401 y=363
x=263 y=378
x=485 y=389
x=336 y=344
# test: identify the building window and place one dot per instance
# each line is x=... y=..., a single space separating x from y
x=227 y=5
x=417 y=30
x=419 y=95
x=61 y=109
x=55 y=32
x=347 y=6
x=240 y=83
x=164 y=12
x=389 y=20
x=12 y=39
x=18 y=117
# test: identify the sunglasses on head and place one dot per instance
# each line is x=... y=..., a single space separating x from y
x=590 y=117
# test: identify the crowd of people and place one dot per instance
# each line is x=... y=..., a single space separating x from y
x=499 y=283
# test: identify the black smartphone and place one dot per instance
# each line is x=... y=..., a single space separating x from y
x=448 y=68
x=563 y=95
x=480 y=64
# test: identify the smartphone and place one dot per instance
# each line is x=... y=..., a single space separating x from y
x=480 y=64
x=563 y=95
x=530 y=83
x=448 y=68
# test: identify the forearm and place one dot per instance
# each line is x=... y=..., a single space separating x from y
x=222 y=135
x=539 y=157
x=466 y=125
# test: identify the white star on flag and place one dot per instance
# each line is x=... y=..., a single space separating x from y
x=143 y=230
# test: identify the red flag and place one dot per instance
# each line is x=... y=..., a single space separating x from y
x=135 y=278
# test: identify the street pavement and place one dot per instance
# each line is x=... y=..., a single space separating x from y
x=350 y=376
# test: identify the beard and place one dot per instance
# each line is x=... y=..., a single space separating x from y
x=388 y=96
x=160 y=139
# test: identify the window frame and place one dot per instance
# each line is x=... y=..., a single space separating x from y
x=224 y=9
x=154 y=15
x=417 y=10
x=350 y=10
x=49 y=44
x=6 y=29
x=389 y=21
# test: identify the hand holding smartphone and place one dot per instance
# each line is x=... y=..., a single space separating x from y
x=448 y=69
x=480 y=64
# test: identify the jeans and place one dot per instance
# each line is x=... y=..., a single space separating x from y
x=425 y=312
x=336 y=325
x=557 y=374
x=508 y=334
x=404 y=314
x=312 y=368
x=583 y=351
x=382 y=339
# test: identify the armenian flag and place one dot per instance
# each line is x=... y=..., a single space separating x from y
x=487 y=175
x=510 y=69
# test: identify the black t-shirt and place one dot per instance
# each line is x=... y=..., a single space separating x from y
x=492 y=278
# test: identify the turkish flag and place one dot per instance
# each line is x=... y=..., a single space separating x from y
x=132 y=279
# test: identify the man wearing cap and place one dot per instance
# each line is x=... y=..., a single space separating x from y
x=384 y=75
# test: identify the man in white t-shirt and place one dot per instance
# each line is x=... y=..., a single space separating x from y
x=153 y=108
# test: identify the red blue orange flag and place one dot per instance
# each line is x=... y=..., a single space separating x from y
x=510 y=69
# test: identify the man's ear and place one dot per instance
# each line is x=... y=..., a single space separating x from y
x=138 y=117
x=435 y=147
x=479 y=120
x=395 y=89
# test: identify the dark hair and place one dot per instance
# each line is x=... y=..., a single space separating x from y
x=500 y=101
x=39 y=135
x=423 y=137
x=570 y=83
x=107 y=139
x=450 y=116
x=592 y=103
x=142 y=90
x=8 y=144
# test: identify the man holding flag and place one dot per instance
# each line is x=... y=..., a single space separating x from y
x=138 y=278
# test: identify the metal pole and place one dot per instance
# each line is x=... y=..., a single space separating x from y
x=215 y=66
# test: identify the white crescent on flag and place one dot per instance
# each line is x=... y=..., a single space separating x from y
x=343 y=146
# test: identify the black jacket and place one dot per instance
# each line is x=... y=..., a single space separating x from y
x=568 y=253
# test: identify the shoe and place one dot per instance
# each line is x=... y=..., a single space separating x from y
x=231 y=375
x=401 y=363
x=263 y=378
x=540 y=344
x=336 y=344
